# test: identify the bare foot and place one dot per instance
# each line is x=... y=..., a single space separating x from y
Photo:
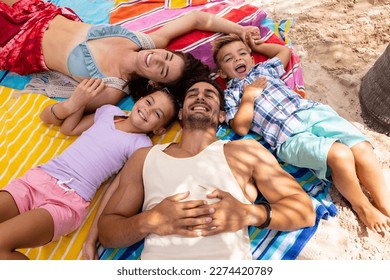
x=385 y=210
x=374 y=219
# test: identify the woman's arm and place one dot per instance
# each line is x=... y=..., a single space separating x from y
x=198 y=20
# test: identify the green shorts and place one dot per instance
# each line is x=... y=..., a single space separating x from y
x=309 y=147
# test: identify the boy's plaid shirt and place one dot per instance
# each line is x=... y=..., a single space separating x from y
x=274 y=110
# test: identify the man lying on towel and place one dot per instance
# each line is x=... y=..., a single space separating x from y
x=209 y=198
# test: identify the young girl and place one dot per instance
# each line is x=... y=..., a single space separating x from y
x=52 y=199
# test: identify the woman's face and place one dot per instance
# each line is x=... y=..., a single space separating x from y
x=159 y=65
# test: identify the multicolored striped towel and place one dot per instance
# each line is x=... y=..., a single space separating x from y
x=179 y=4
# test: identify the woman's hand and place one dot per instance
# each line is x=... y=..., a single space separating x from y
x=87 y=90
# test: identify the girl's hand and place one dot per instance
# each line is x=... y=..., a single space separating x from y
x=87 y=90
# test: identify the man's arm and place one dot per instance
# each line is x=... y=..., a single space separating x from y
x=121 y=223
x=291 y=207
x=89 y=246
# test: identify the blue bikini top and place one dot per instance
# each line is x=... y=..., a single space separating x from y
x=80 y=61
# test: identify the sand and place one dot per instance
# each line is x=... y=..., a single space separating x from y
x=338 y=41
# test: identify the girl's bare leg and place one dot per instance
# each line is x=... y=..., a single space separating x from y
x=8 y=208
x=28 y=230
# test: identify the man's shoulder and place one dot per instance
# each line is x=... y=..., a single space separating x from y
x=142 y=152
x=248 y=151
x=243 y=144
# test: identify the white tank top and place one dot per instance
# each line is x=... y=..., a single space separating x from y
x=165 y=175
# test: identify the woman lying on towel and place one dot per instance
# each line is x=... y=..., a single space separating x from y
x=41 y=36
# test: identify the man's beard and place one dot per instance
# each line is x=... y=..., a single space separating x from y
x=198 y=121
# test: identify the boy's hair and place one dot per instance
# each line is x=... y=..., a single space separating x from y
x=212 y=82
x=222 y=41
x=192 y=67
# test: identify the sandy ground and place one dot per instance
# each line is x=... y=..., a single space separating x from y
x=338 y=41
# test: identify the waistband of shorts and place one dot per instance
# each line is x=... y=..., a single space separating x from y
x=63 y=185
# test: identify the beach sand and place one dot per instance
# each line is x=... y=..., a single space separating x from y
x=338 y=42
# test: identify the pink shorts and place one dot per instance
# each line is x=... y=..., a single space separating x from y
x=22 y=27
x=37 y=189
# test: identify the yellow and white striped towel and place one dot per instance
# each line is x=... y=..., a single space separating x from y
x=26 y=142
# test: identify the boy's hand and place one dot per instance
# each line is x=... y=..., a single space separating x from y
x=254 y=89
x=86 y=91
x=248 y=32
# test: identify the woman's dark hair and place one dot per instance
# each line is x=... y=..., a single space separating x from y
x=193 y=67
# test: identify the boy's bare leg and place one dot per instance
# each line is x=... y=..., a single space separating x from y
x=371 y=176
x=342 y=163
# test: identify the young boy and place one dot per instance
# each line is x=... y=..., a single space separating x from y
x=304 y=133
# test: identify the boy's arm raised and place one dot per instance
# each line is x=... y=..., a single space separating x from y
x=242 y=121
x=270 y=50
